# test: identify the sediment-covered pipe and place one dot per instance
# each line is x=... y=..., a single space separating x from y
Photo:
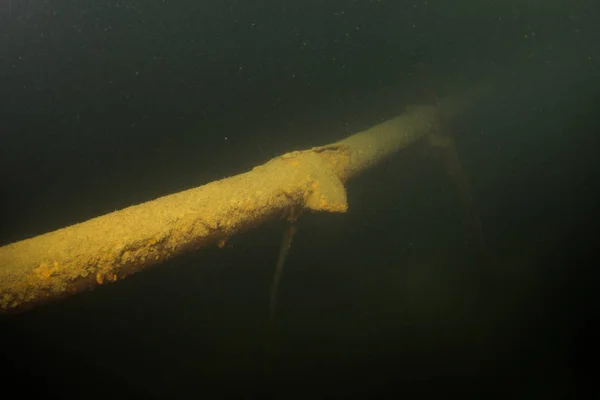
x=109 y=248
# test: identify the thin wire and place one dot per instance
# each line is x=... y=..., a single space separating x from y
x=286 y=243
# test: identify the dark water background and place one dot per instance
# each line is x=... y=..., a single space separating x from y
x=105 y=104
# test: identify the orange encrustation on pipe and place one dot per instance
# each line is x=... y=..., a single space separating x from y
x=110 y=247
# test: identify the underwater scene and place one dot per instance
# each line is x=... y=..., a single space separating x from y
x=298 y=199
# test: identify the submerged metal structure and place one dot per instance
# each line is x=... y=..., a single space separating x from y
x=111 y=247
